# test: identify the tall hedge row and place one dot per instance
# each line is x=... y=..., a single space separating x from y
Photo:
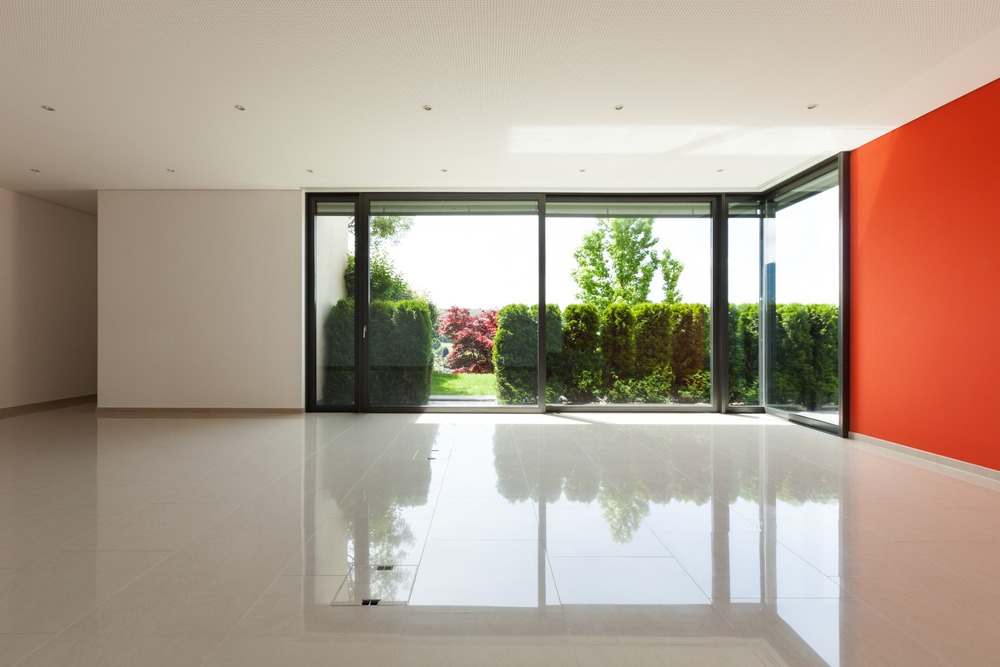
x=401 y=358
x=806 y=354
x=400 y=353
x=579 y=370
x=618 y=339
x=515 y=355
x=744 y=354
x=647 y=353
x=660 y=353
x=338 y=354
x=621 y=355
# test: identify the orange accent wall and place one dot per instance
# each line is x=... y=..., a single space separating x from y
x=925 y=282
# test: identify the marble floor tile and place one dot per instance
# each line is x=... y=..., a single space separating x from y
x=113 y=651
x=15 y=647
x=301 y=652
x=152 y=527
x=57 y=589
x=558 y=539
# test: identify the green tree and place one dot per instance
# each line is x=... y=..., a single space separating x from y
x=385 y=282
x=671 y=269
x=616 y=262
x=385 y=230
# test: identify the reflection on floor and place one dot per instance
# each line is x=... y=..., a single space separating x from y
x=583 y=540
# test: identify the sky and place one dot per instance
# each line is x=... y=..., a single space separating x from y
x=491 y=261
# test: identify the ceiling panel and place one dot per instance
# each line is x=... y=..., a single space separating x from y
x=523 y=94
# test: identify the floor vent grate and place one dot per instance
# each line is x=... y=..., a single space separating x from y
x=370 y=602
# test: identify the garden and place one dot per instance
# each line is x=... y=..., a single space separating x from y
x=615 y=346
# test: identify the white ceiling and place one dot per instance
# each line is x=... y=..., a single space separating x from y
x=714 y=93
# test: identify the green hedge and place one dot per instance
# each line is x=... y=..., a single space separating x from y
x=744 y=354
x=618 y=340
x=338 y=354
x=515 y=354
x=653 y=337
x=660 y=353
x=806 y=354
x=400 y=335
x=581 y=368
x=689 y=359
x=553 y=350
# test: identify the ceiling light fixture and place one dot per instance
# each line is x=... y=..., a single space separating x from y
x=444 y=170
x=619 y=107
x=426 y=107
x=37 y=171
x=812 y=106
x=239 y=107
x=582 y=170
x=48 y=108
x=309 y=171
x=720 y=170
x=171 y=170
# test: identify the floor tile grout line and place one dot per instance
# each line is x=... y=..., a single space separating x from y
x=548 y=559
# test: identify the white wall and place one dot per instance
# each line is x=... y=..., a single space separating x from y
x=48 y=301
x=200 y=299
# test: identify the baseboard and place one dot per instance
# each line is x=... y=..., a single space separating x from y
x=969 y=472
x=197 y=412
x=57 y=404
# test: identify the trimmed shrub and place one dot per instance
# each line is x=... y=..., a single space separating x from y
x=805 y=364
x=582 y=365
x=515 y=354
x=653 y=342
x=553 y=350
x=744 y=354
x=825 y=322
x=338 y=354
x=618 y=341
x=400 y=351
x=653 y=334
x=689 y=356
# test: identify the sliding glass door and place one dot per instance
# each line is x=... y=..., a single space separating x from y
x=573 y=302
x=453 y=304
x=802 y=288
x=332 y=310
x=629 y=285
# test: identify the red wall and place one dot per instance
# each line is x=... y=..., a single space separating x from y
x=925 y=275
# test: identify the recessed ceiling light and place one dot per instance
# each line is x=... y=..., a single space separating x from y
x=426 y=107
x=812 y=106
x=582 y=170
x=309 y=171
x=619 y=107
x=444 y=170
x=48 y=108
x=239 y=107
x=37 y=171
x=720 y=170
x=171 y=170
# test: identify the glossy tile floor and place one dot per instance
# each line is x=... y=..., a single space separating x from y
x=578 y=540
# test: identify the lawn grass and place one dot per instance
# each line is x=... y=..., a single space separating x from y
x=463 y=384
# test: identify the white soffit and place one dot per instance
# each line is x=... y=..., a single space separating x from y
x=714 y=95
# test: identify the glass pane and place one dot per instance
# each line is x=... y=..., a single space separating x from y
x=744 y=303
x=802 y=261
x=453 y=317
x=632 y=287
x=335 y=320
